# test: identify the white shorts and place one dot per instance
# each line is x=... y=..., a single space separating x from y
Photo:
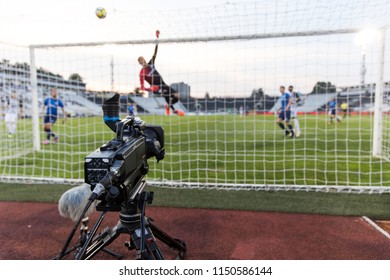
x=10 y=118
x=293 y=112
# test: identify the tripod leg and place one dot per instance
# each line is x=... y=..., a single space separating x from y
x=67 y=252
x=98 y=244
x=112 y=253
x=149 y=250
x=82 y=216
x=86 y=244
x=177 y=244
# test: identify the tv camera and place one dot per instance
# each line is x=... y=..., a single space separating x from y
x=114 y=173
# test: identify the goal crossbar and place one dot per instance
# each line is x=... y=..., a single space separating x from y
x=202 y=39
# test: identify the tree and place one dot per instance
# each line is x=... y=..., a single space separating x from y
x=323 y=87
x=76 y=77
x=257 y=94
x=207 y=95
x=138 y=91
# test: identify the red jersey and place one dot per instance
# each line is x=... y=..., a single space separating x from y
x=151 y=75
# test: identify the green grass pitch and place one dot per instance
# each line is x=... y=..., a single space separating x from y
x=216 y=149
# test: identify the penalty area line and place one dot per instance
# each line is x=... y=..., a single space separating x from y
x=378 y=228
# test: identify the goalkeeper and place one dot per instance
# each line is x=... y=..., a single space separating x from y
x=344 y=107
x=157 y=85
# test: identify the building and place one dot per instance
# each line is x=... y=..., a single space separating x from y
x=184 y=90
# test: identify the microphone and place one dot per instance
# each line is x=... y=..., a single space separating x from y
x=73 y=201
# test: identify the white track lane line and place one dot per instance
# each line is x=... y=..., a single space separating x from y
x=378 y=228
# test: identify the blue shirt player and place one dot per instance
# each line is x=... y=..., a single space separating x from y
x=332 y=105
x=131 y=109
x=50 y=106
x=286 y=101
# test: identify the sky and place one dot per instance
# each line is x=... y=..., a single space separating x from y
x=227 y=68
x=28 y=22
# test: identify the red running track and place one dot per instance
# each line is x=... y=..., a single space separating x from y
x=36 y=231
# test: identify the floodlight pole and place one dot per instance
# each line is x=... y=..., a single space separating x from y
x=112 y=73
x=34 y=94
x=363 y=69
x=377 y=133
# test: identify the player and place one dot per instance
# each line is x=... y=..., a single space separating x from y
x=132 y=109
x=51 y=114
x=11 y=115
x=294 y=114
x=344 y=107
x=157 y=85
x=332 y=105
x=241 y=110
x=285 y=112
x=3 y=107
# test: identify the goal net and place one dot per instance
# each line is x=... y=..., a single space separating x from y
x=228 y=63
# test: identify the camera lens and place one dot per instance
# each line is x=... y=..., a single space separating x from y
x=111 y=107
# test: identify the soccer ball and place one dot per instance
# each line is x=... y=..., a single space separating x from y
x=101 y=12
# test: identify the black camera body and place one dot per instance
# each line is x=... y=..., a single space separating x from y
x=120 y=165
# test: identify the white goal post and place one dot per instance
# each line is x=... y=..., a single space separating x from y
x=377 y=134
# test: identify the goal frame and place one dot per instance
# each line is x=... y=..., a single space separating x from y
x=377 y=129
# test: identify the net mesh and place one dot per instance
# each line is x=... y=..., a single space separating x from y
x=228 y=62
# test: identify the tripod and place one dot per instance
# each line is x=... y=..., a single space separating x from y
x=133 y=222
x=84 y=233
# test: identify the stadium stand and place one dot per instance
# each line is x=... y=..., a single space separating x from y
x=78 y=105
x=229 y=104
x=154 y=105
x=311 y=103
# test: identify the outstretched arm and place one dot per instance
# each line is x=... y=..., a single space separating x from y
x=156 y=48
x=155 y=53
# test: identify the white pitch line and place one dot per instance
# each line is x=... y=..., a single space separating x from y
x=22 y=153
x=378 y=228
